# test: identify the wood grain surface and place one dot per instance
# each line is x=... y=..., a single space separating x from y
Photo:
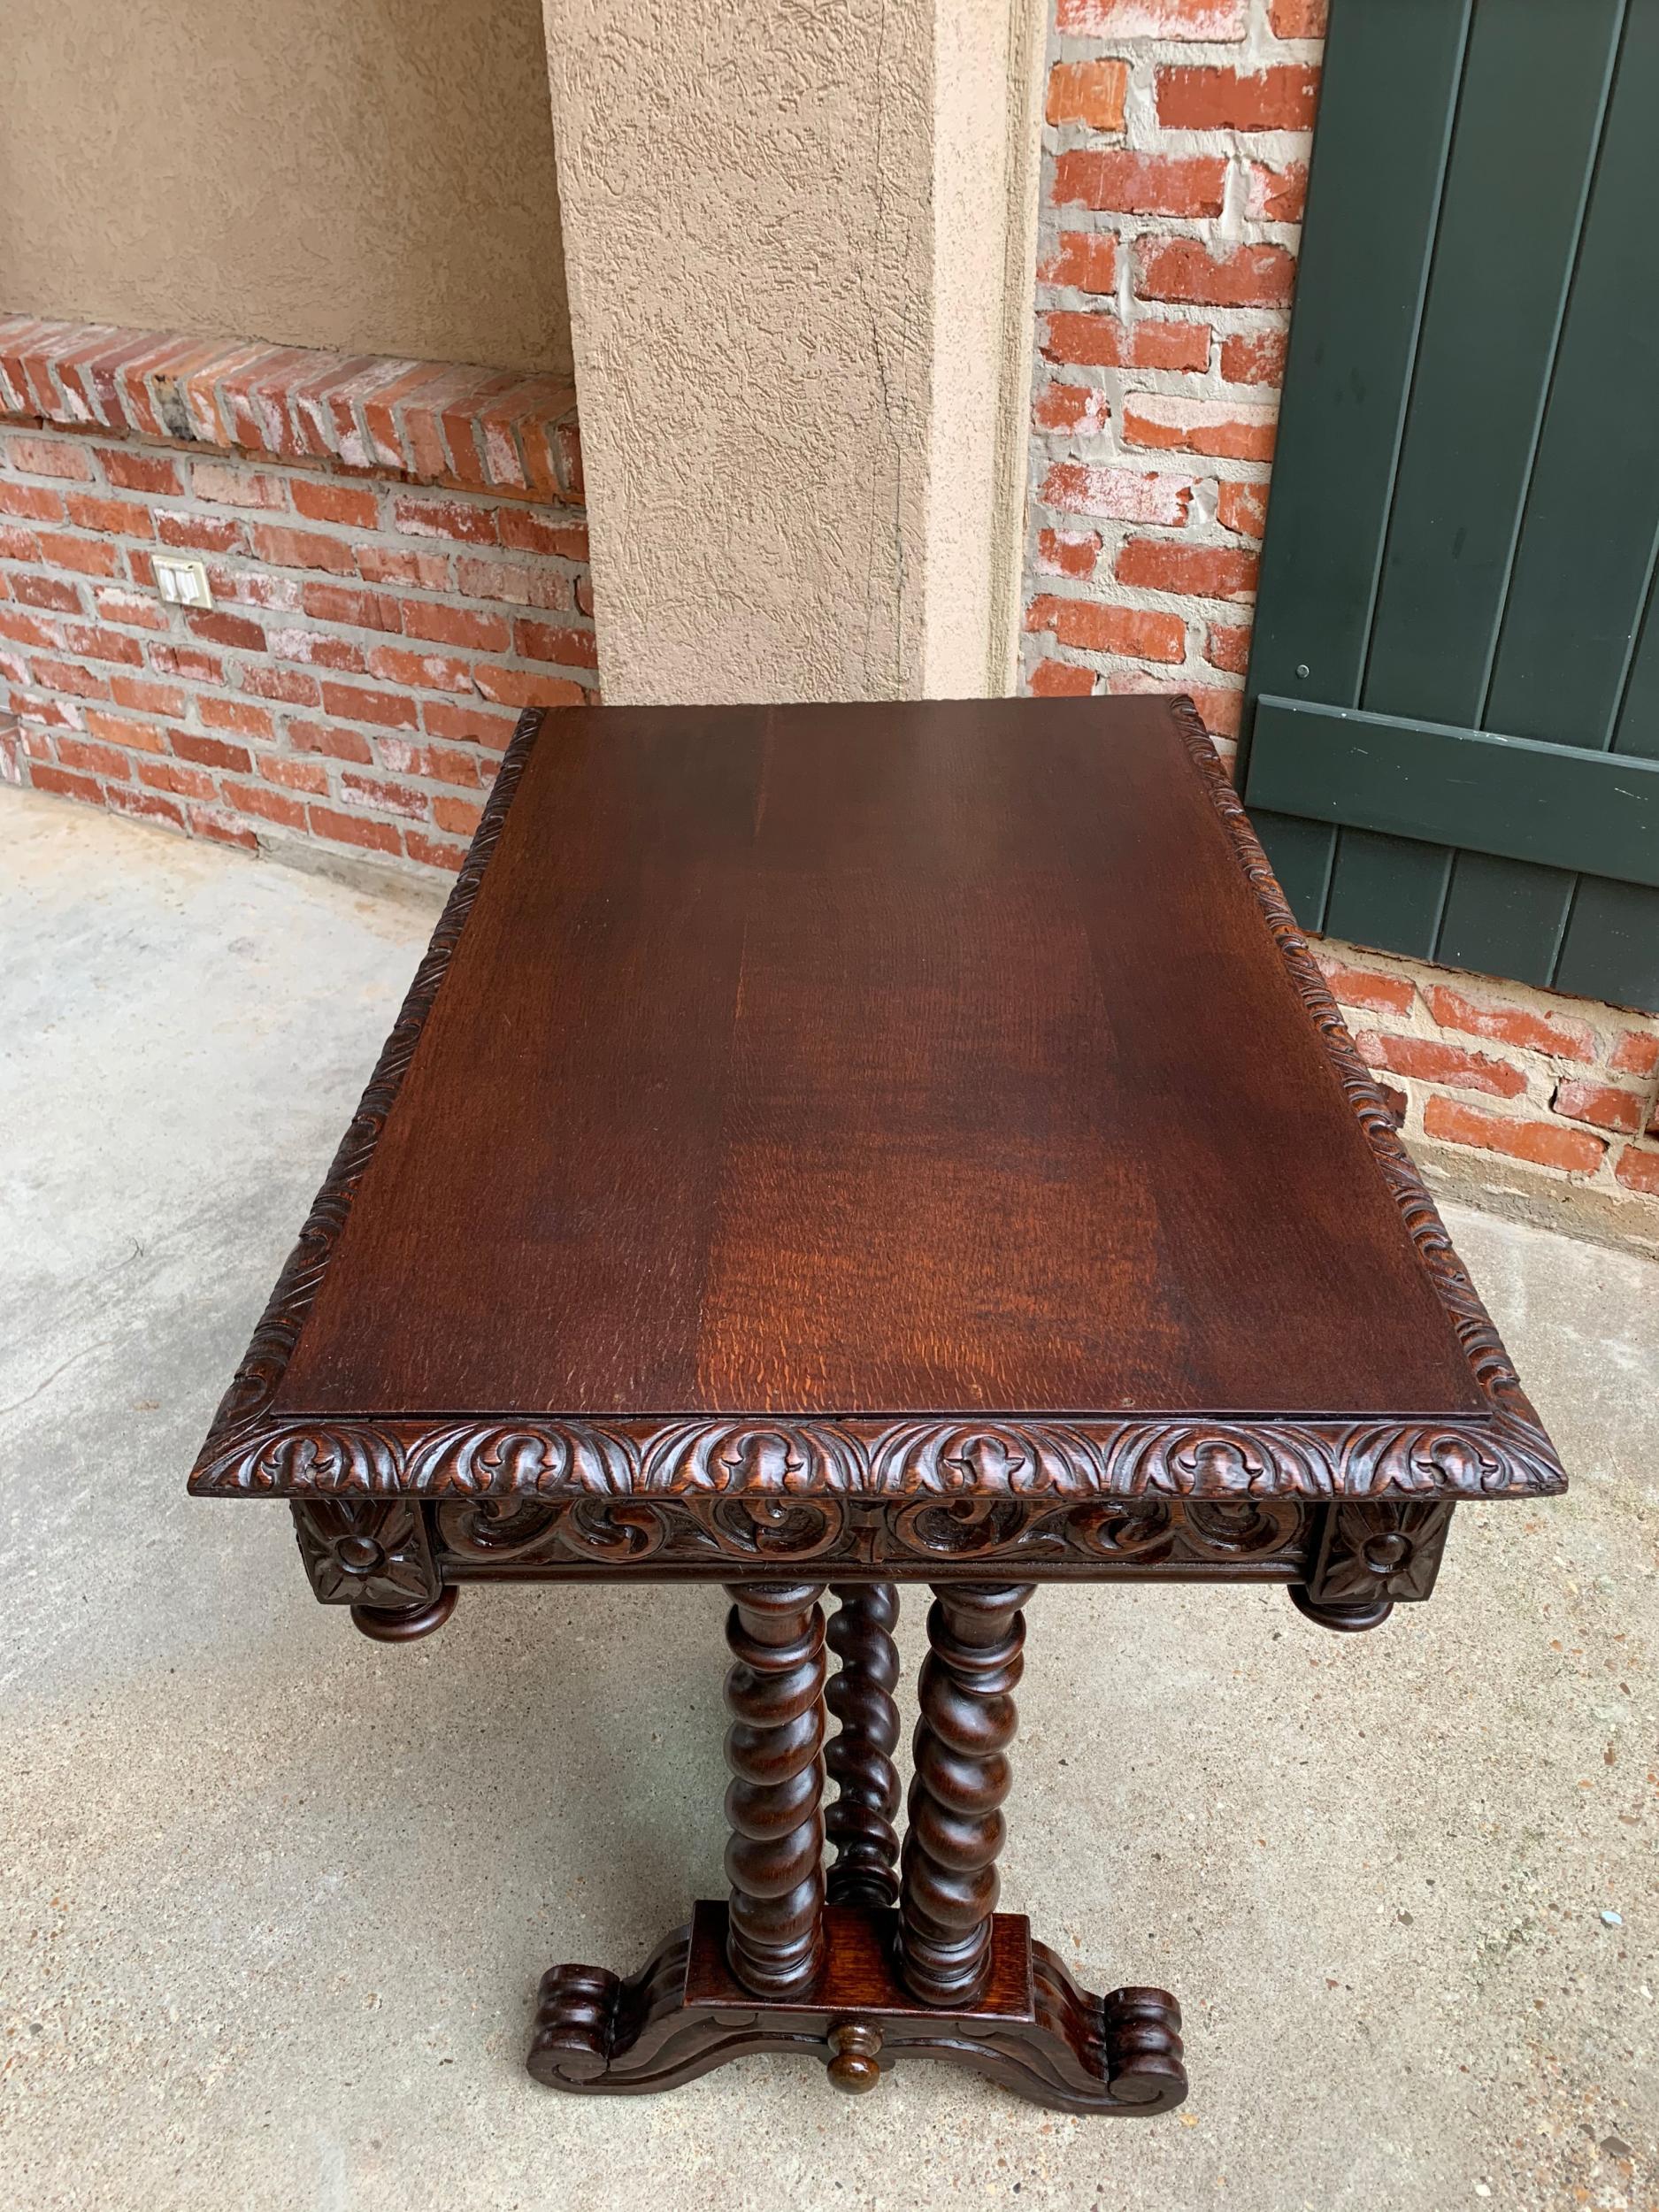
x=862 y=1059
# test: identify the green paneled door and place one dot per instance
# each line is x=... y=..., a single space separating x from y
x=1464 y=525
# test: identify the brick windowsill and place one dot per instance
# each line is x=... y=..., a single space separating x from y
x=397 y=558
x=473 y=429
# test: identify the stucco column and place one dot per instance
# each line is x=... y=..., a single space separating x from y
x=799 y=243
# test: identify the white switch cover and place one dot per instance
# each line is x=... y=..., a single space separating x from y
x=182 y=582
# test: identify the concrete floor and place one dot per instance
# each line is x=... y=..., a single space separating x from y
x=272 y=1899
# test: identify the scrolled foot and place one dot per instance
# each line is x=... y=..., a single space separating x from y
x=1118 y=2054
x=402 y=1624
x=1143 y=2049
x=1347 y=1620
x=599 y=2035
x=575 y=2025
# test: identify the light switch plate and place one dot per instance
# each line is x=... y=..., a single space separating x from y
x=183 y=583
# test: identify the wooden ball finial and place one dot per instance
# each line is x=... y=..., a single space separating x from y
x=854 y=2067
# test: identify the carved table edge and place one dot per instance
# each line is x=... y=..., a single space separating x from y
x=1503 y=1453
x=1022 y=1456
x=1482 y=1347
x=255 y=1381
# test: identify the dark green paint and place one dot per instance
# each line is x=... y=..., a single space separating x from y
x=1299 y=855
x=1385 y=104
x=1581 y=567
x=1515 y=189
x=1637 y=730
x=1612 y=944
x=1504 y=917
x=1555 y=805
x=1388 y=891
x=1475 y=345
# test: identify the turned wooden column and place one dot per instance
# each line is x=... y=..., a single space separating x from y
x=968 y=1717
x=774 y=1692
x=860 y=1758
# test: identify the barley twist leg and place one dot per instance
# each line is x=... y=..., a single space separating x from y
x=948 y=1880
x=860 y=1758
x=774 y=1693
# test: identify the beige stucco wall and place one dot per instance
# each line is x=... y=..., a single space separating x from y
x=372 y=175
x=988 y=60
x=784 y=476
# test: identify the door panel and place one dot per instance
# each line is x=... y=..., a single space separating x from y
x=1386 y=102
x=1465 y=514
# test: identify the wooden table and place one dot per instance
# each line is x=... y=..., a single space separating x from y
x=852 y=1146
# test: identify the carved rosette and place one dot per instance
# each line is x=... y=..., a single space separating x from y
x=1387 y=1548
x=375 y=1555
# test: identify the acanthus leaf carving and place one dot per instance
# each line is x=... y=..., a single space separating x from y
x=344 y=1459
x=1074 y=1459
x=727 y=1457
x=924 y=1536
x=525 y=1458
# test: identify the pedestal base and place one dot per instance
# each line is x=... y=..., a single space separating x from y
x=1034 y=2030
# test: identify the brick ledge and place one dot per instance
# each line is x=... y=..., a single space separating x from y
x=470 y=428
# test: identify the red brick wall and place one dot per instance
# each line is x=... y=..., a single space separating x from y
x=398 y=556
x=1174 y=168
x=1520 y=1080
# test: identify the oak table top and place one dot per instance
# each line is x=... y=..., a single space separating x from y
x=872 y=1100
